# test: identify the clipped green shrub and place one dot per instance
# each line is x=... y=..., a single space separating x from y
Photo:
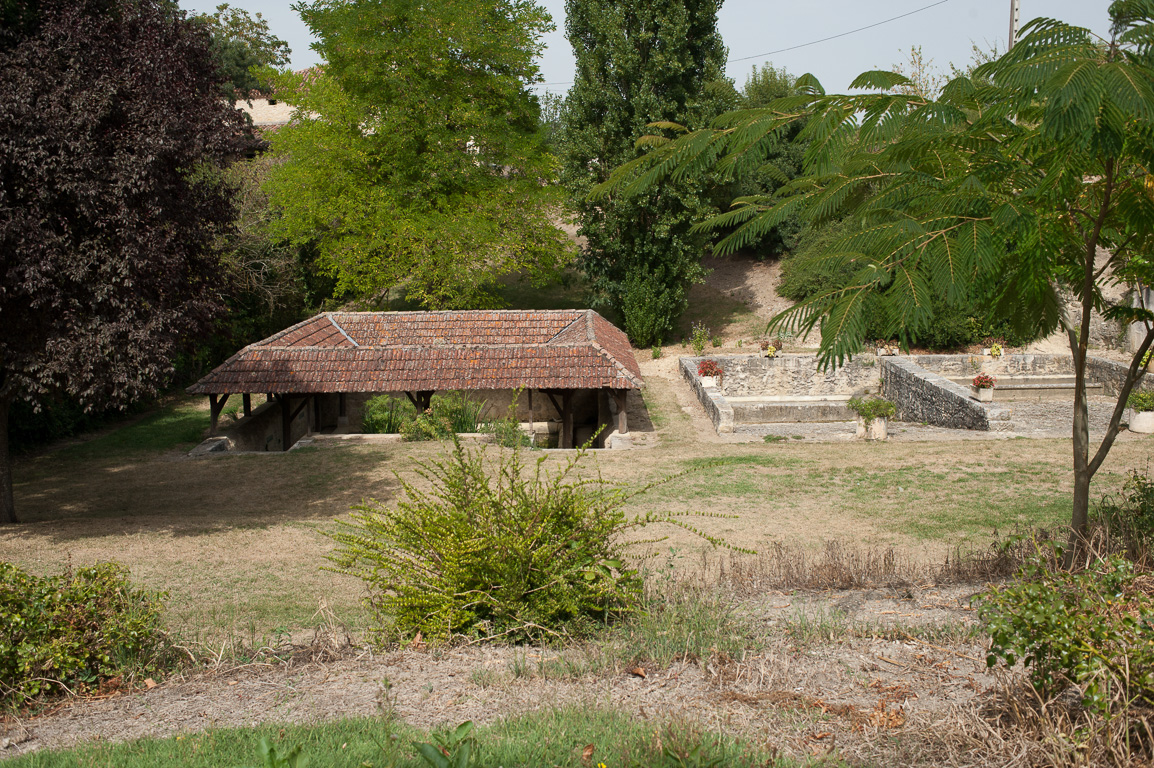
x=70 y=633
x=1093 y=629
x=870 y=408
x=1141 y=401
x=386 y=415
x=493 y=548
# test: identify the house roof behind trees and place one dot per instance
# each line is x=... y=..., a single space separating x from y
x=423 y=351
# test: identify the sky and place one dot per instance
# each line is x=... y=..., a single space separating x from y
x=946 y=30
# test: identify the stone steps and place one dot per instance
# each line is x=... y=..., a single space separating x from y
x=790 y=409
x=1034 y=388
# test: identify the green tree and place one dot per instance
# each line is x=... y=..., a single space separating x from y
x=639 y=63
x=243 y=44
x=416 y=157
x=1031 y=177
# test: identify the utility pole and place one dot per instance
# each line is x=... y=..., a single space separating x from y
x=1013 y=22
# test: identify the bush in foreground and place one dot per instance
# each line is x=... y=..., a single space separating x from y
x=492 y=549
x=73 y=632
x=1093 y=629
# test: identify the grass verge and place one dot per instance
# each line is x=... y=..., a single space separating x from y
x=557 y=737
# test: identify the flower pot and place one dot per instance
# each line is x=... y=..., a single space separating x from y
x=983 y=394
x=708 y=381
x=887 y=351
x=875 y=430
x=1142 y=422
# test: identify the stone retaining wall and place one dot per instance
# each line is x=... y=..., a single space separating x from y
x=1007 y=365
x=711 y=399
x=924 y=396
x=1111 y=375
x=789 y=374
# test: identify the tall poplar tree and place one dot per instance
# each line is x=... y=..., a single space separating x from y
x=639 y=62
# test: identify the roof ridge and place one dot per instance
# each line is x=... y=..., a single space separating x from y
x=573 y=322
x=620 y=366
x=337 y=325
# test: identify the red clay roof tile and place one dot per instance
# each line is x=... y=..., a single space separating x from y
x=415 y=351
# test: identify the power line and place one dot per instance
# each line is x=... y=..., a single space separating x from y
x=812 y=42
x=843 y=34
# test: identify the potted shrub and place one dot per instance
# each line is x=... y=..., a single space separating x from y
x=768 y=350
x=1141 y=412
x=873 y=414
x=710 y=373
x=983 y=388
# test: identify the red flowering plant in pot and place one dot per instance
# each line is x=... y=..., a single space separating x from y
x=709 y=369
x=983 y=389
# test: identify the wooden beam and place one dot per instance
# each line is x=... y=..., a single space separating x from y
x=246 y=399
x=286 y=423
x=316 y=425
x=621 y=400
x=214 y=408
x=567 y=419
x=287 y=416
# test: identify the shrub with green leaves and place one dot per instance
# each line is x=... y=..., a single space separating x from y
x=494 y=548
x=1141 y=401
x=71 y=632
x=386 y=415
x=1093 y=629
x=870 y=408
x=447 y=415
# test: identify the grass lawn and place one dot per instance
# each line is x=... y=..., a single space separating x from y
x=237 y=540
x=556 y=737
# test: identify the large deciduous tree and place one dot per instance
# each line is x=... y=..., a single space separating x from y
x=243 y=44
x=110 y=122
x=415 y=156
x=639 y=63
x=1030 y=177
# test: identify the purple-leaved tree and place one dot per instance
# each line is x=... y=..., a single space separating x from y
x=112 y=132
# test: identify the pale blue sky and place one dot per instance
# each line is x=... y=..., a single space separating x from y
x=752 y=27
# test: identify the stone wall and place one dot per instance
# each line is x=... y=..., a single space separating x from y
x=716 y=408
x=1007 y=365
x=924 y=396
x=1112 y=375
x=754 y=375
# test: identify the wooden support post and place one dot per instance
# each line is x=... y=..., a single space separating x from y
x=246 y=399
x=421 y=400
x=567 y=419
x=286 y=423
x=214 y=408
x=621 y=400
x=287 y=416
x=316 y=424
x=342 y=409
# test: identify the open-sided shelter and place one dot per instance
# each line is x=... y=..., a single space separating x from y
x=581 y=363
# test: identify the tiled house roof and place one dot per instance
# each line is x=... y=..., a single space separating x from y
x=421 y=351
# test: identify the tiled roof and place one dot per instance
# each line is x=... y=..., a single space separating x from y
x=416 y=351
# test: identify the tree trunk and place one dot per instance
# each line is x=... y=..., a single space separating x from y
x=7 y=502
